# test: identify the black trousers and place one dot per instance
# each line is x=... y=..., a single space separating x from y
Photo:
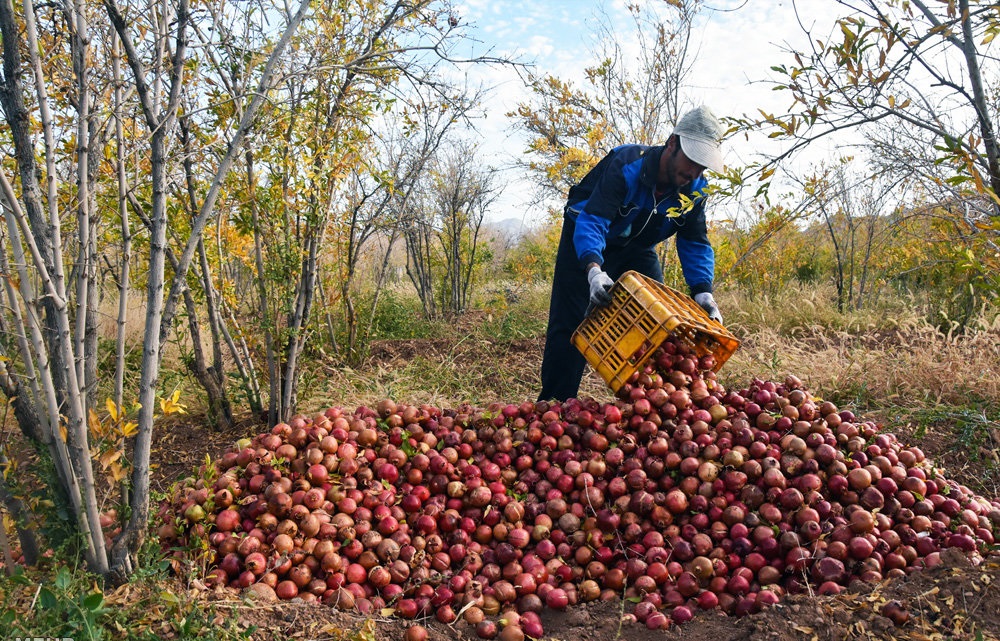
x=562 y=363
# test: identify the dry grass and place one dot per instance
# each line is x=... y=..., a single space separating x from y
x=916 y=366
x=886 y=356
x=135 y=316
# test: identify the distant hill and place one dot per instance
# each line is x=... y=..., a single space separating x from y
x=509 y=228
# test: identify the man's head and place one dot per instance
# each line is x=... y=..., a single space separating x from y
x=700 y=133
x=693 y=147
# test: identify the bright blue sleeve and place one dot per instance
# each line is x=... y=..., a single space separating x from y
x=695 y=251
x=589 y=238
x=697 y=262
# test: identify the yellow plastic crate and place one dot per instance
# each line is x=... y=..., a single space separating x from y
x=620 y=337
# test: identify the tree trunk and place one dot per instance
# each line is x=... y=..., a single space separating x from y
x=351 y=320
x=981 y=101
x=134 y=531
x=98 y=139
x=244 y=365
x=37 y=352
x=212 y=378
x=273 y=372
x=35 y=395
x=126 y=249
x=418 y=267
x=380 y=282
x=46 y=237
x=215 y=323
x=474 y=228
x=328 y=316
x=298 y=322
x=80 y=43
x=219 y=411
x=839 y=274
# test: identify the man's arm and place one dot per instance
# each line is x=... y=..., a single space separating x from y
x=695 y=252
x=595 y=214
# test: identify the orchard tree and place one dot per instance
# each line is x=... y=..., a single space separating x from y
x=860 y=216
x=326 y=120
x=633 y=93
x=382 y=187
x=120 y=140
x=59 y=104
x=916 y=81
x=441 y=228
x=462 y=190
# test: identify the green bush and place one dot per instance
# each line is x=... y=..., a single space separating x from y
x=396 y=316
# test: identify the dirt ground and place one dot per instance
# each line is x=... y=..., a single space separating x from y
x=955 y=601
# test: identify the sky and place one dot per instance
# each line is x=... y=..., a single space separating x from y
x=737 y=41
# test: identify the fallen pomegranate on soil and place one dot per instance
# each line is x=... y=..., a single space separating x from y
x=680 y=497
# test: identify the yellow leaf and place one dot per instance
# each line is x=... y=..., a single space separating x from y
x=129 y=429
x=329 y=628
x=94 y=423
x=112 y=409
x=892 y=101
x=110 y=457
x=367 y=631
x=117 y=471
x=172 y=405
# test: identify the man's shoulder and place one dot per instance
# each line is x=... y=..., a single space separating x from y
x=631 y=154
x=631 y=150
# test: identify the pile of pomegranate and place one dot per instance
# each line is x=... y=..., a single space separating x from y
x=679 y=496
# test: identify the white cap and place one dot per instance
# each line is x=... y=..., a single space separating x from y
x=700 y=133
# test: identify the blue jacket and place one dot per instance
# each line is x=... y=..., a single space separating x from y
x=614 y=207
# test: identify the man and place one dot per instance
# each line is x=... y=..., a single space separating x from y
x=636 y=197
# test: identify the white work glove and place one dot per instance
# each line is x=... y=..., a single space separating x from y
x=707 y=302
x=600 y=283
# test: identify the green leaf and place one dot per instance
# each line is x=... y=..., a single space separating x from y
x=46 y=599
x=93 y=601
x=19 y=577
x=63 y=578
